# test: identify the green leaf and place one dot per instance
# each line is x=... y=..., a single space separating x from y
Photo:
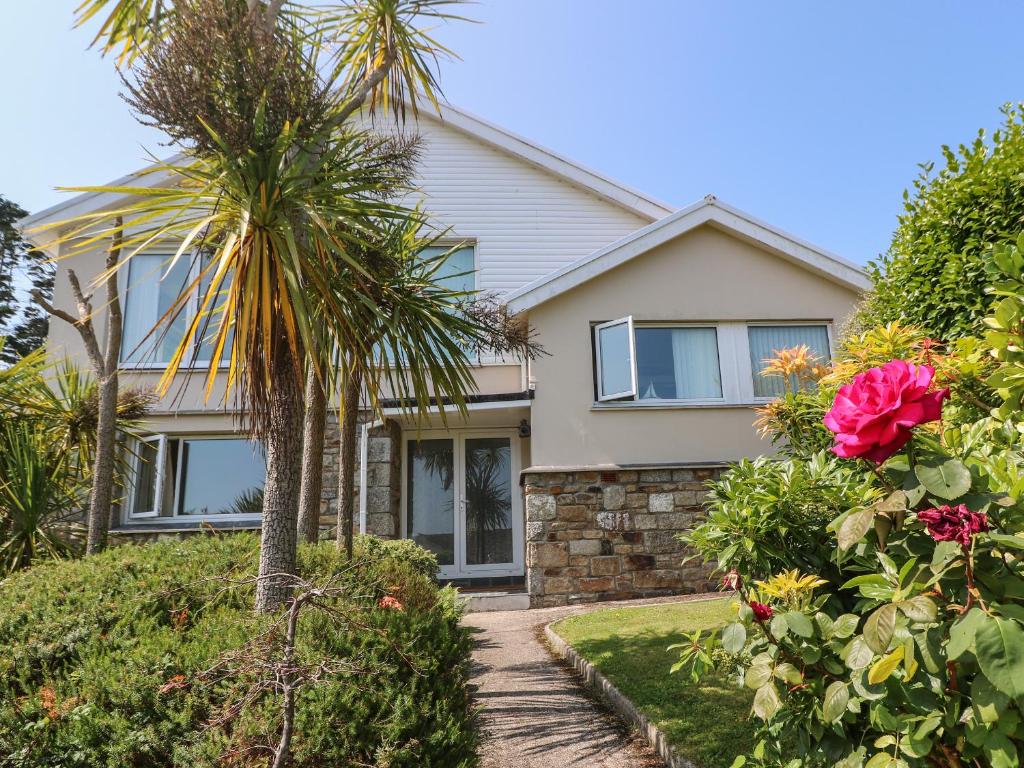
x=879 y=627
x=855 y=526
x=845 y=625
x=788 y=673
x=949 y=479
x=837 y=696
x=999 y=646
x=766 y=701
x=1001 y=752
x=734 y=637
x=757 y=676
x=988 y=703
x=961 y=634
x=858 y=654
x=884 y=667
x=1014 y=542
x=920 y=609
x=799 y=624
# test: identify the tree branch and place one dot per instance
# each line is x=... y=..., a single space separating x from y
x=114 y=318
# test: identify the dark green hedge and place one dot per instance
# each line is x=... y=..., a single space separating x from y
x=88 y=647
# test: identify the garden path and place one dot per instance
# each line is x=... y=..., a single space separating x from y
x=536 y=714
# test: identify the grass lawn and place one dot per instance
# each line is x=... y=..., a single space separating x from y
x=706 y=722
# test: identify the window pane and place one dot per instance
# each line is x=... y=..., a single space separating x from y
x=488 y=500
x=431 y=495
x=766 y=340
x=144 y=497
x=456 y=273
x=615 y=374
x=678 y=364
x=147 y=298
x=221 y=477
x=210 y=326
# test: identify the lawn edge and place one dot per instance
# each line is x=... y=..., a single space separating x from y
x=614 y=698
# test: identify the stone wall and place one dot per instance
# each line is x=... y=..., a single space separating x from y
x=383 y=480
x=612 y=535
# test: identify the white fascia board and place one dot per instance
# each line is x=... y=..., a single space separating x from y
x=491 y=405
x=708 y=211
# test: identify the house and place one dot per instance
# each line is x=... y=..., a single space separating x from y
x=572 y=473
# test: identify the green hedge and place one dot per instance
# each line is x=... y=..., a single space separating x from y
x=88 y=647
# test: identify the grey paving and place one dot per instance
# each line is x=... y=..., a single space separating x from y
x=534 y=712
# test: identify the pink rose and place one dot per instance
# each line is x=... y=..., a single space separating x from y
x=957 y=523
x=872 y=416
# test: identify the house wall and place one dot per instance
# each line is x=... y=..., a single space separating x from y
x=527 y=222
x=704 y=275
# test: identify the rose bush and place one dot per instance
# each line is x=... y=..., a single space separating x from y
x=901 y=642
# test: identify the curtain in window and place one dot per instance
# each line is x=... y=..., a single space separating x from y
x=698 y=375
x=766 y=339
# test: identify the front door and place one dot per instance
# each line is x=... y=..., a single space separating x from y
x=462 y=501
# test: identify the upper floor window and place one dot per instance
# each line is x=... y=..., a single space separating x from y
x=684 y=363
x=152 y=288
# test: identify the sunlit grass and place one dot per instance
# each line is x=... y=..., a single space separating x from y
x=706 y=721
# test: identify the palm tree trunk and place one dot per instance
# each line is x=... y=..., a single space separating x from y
x=102 y=490
x=281 y=492
x=348 y=422
x=312 y=457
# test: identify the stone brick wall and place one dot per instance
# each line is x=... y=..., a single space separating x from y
x=611 y=535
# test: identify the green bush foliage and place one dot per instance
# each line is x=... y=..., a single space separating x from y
x=883 y=625
x=101 y=662
x=933 y=274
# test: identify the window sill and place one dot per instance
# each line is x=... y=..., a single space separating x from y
x=663 y=405
x=143 y=525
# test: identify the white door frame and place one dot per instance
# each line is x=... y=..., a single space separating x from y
x=459 y=569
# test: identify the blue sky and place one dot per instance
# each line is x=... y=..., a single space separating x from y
x=810 y=115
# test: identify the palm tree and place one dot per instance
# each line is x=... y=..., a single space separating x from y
x=273 y=193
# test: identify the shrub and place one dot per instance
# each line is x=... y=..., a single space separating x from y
x=897 y=639
x=103 y=662
x=933 y=274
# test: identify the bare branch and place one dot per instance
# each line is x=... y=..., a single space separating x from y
x=114 y=319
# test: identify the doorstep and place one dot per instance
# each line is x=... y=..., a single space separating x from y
x=506 y=600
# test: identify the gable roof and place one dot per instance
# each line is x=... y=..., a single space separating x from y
x=624 y=196
x=710 y=211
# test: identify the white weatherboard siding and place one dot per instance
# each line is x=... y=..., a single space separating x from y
x=526 y=221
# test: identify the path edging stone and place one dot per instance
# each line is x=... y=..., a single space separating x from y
x=614 y=698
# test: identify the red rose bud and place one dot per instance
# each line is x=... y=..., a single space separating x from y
x=761 y=611
x=957 y=523
x=872 y=416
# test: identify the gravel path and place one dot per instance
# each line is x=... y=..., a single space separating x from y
x=535 y=712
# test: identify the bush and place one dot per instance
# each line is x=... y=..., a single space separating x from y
x=892 y=635
x=102 y=662
x=933 y=273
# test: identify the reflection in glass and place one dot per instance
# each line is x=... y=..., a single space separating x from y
x=488 y=500
x=221 y=477
x=149 y=295
x=145 y=479
x=677 y=364
x=431 y=494
x=616 y=367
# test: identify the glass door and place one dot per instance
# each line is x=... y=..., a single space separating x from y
x=462 y=502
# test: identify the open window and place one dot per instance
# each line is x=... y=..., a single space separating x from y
x=149 y=462
x=616 y=356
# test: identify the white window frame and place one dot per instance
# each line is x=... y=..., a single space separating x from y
x=733 y=361
x=158 y=493
x=162 y=455
x=191 y=310
x=603 y=396
x=778 y=324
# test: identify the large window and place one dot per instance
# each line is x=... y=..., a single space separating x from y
x=657 y=363
x=766 y=340
x=695 y=364
x=153 y=286
x=195 y=477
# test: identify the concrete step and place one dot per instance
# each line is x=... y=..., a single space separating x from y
x=479 y=602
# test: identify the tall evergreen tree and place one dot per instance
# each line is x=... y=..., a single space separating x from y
x=21 y=271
